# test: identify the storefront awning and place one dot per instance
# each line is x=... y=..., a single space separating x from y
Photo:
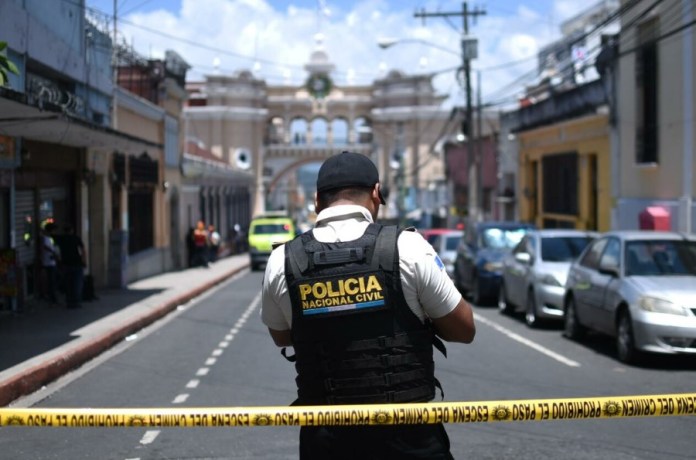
x=20 y=119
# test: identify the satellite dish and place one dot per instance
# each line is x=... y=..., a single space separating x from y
x=242 y=158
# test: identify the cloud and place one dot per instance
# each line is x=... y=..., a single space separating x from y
x=240 y=33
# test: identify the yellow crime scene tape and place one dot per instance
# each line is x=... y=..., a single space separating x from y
x=356 y=415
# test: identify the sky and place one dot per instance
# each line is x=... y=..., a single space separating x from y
x=274 y=38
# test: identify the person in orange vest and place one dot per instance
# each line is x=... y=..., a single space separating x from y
x=200 y=245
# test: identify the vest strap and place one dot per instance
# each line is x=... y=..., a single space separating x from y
x=378 y=362
x=384 y=248
x=422 y=393
x=386 y=380
x=399 y=340
x=339 y=256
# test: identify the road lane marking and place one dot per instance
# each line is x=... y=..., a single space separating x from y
x=202 y=371
x=180 y=398
x=524 y=341
x=217 y=352
x=193 y=383
x=210 y=361
x=149 y=436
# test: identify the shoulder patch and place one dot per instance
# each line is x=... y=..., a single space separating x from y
x=439 y=263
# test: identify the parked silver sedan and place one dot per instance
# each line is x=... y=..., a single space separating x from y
x=639 y=287
x=445 y=244
x=535 y=272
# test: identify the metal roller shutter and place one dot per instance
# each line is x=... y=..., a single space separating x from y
x=24 y=208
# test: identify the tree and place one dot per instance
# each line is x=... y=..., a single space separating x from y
x=6 y=65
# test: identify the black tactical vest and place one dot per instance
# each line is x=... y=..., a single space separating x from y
x=356 y=340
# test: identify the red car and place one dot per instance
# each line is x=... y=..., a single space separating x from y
x=431 y=233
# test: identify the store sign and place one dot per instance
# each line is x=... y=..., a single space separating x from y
x=43 y=90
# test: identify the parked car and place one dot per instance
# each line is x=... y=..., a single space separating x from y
x=445 y=244
x=638 y=287
x=479 y=260
x=265 y=231
x=535 y=272
x=431 y=233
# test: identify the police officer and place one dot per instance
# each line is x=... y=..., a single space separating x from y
x=363 y=305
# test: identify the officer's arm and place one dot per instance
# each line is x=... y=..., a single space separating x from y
x=458 y=325
x=281 y=338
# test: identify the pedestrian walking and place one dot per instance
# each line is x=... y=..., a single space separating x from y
x=213 y=243
x=200 y=245
x=73 y=263
x=50 y=256
x=363 y=305
x=190 y=246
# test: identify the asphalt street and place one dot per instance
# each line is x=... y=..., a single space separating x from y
x=215 y=352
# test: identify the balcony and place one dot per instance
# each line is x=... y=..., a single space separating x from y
x=298 y=151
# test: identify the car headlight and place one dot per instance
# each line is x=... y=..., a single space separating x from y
x=550 y=280
x=493 y=266
x=655 y=305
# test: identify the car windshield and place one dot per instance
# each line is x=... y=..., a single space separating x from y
x=562 y=248
x=431 y=238
x=267 y=229
x=660 y=258
x=451 y=242
x=502 y=238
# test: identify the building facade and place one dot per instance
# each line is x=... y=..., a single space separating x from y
x=652 y=70
x=274 y=130
x=556 y=148
x=99 y=148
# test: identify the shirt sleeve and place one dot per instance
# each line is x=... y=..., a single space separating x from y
x=428 y=289
x=276 y=312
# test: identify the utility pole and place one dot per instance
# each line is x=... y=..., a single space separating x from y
x=469 y=52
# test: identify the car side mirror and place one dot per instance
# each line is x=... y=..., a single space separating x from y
x=609 y=270
x=523 y=258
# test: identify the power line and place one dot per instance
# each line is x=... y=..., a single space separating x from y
x=618 y=14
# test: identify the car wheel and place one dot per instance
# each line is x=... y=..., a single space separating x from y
x=504 y=306
x=572 y=327
x=625 y=345
x=530 y=315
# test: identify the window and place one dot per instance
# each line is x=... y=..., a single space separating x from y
x=560 y=175
x=591 y=257
x=647 y=93
x=655 y=258
x=452 y=242
x=502 y=238
x=611 y=255
x=562 y=248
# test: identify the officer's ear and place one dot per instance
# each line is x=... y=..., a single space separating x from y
x=317 y=203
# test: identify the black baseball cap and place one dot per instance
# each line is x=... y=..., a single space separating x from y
x=348 y=169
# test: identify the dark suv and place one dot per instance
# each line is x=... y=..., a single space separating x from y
x=479 y=261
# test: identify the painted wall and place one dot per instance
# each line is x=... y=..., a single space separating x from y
x=586 y=136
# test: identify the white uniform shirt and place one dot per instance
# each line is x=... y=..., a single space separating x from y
x=429 y=292
x=49 y=251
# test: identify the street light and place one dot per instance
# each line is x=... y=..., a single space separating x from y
x=468 y=51
x=386 y=42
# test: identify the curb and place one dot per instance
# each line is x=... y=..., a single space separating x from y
x=31 y=379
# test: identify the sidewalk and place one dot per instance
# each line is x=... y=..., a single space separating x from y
x=45 y=342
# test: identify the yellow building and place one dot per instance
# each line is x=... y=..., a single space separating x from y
x=565 y=175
